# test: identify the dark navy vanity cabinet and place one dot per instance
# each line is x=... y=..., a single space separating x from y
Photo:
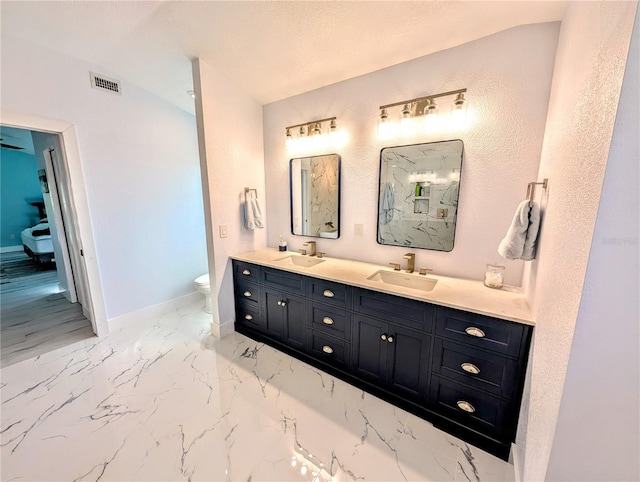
x=462 y=371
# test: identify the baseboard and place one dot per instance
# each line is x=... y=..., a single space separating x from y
x=11 y=249
x=152 y=311
x=516 y=463
x=223 y=329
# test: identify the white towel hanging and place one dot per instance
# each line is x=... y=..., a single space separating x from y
x=520 y=241
x=252 y=212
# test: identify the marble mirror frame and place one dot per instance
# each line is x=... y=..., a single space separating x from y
x=315 y=211
x=418 y=193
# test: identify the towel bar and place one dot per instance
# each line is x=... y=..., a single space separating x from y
x=531 y=187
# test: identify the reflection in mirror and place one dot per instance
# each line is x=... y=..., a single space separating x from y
x=315 y=196
x=418 y=196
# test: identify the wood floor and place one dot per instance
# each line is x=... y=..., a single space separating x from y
x=35 y=317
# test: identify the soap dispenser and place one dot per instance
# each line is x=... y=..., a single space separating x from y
x=282 y=245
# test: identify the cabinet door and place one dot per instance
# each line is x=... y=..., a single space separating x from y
x=295 y=334
x=274 y=314
x=408 y=362
x=369 y=348
x=285 y=318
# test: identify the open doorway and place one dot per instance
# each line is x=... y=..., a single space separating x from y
x=44 y=297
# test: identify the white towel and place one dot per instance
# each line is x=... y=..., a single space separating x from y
x=387 y=201
x=252 y=213
x=520 y=241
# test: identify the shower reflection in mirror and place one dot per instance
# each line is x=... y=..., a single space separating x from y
x=315 y=196
x=418 y=195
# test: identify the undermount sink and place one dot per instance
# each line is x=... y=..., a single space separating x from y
x=405 y=280
x=303 y=261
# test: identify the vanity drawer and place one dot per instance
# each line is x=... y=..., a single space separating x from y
x=480 y=331
x=290 y=282
x=330 y=320
x=403 y=311
x=480 y=369
x=476 y=410
x=247 y=271
x=248 y=314
x=248 y=291
x=330 y=292
x=329 y=349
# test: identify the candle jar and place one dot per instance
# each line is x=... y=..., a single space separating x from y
x=494 y=276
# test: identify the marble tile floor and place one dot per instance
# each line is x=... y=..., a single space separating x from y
x=161 y=400
x=35 y=317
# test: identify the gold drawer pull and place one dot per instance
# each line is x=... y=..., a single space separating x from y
x=247 y=293
x=246 y=272
x=470 y=368
x=473 y=331
x=466 y=406
x=248 y=317
x=383 y=337
x=327 y=321
x=327 y=349
x=328 y=293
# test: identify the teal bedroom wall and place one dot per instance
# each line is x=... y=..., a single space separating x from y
x=19 y=185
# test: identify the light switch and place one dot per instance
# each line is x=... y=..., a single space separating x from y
x=223 y=230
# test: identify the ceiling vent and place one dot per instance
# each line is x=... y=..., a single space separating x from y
x=101 y=82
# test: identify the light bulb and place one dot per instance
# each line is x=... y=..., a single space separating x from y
x=386 y=128
x=407 y=126
x=431 y=115
x=459 y=110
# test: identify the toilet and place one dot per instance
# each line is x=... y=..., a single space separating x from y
x=202 y=285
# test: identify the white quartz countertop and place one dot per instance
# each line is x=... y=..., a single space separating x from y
x=508 y=303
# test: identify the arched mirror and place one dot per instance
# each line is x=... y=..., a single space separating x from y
x=418 y=195
x=315 y=196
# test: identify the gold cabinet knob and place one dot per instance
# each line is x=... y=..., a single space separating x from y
x=327 y=321
x=327 y=349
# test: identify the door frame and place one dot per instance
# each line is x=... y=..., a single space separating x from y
x=79 y=208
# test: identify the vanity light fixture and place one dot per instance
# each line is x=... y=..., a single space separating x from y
x=422 y=106
x=310 y=136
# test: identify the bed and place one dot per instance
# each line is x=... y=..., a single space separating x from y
x=37 y=242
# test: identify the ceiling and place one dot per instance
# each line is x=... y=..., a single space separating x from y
x=271 y=49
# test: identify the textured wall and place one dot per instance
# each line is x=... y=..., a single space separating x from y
x=598 y=424
x=590 y=62
x=230 y=136
x=508 y=76
x=140 y=164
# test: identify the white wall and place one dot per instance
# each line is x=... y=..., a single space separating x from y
x=590 y=62
x=231 y=148
x=508 y=77
x=140 y=164
x=596 y=437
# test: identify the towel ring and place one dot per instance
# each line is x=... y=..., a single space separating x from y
x=531 y=187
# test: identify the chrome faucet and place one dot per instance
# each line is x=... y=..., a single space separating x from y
x=312 y=247
x=411 y=261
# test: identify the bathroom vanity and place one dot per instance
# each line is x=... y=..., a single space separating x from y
x=451 y=351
